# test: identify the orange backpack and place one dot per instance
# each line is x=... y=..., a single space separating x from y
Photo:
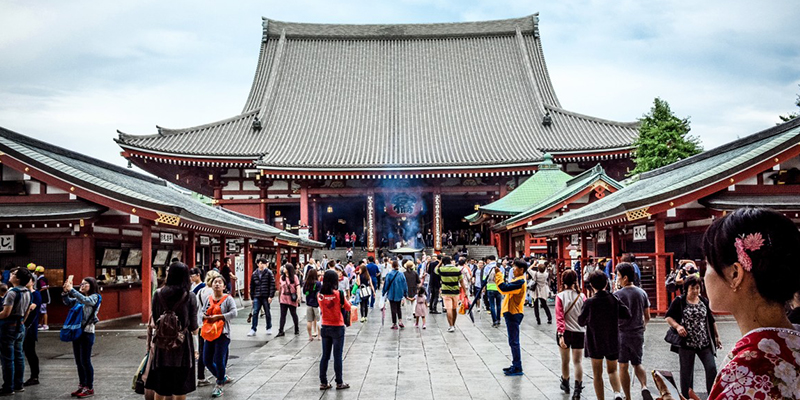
x=211 y=331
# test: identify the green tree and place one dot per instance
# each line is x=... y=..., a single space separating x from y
x=791 y=116
x=663 y=139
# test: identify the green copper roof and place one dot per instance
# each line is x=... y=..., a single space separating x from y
x=679 y=178
x=540 y=186
x=571 y=188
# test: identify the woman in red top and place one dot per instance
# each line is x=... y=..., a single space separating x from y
x=331 y=302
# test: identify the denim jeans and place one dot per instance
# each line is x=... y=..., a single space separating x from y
x=258 y=304
x=13 y=359
x=495 y=299
x=332 y=339
x=215 y=356
x=686 y=360
x=201 y=365
x=82 y=349
x=29 y=348
x=513 y=322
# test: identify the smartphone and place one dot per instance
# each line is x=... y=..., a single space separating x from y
x=669 y=382
x=69 y=278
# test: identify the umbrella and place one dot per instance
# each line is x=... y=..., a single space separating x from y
x=383 y=315
x=469 y=311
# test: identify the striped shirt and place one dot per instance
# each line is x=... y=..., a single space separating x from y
x=450 y=275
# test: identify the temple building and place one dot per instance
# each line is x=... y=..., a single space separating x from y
x=387 y=131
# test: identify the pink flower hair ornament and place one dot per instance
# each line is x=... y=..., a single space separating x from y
x=751 y=242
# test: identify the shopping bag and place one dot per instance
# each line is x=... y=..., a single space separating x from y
x=382 y=302
x=463 y=303
x=353 y=315
x=138 y=380
x=355 y=299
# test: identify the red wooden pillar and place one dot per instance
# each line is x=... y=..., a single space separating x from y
x=527 y=243
x=262 y=208
x=304 y=205
x=191 y=253
x=147 y=266
x=315 y=219
x=248 y=268
x=223 y=249
x=661 y=265
x=615 y=249
x=584 y=249
x=278 y=263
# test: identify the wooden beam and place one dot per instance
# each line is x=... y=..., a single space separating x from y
x=661 y=265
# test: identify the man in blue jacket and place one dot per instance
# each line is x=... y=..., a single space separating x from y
x=374 y=274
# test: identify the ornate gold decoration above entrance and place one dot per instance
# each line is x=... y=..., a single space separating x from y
x=168 y=219
x=638 y=214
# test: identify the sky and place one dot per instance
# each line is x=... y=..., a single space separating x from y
x=73 y=73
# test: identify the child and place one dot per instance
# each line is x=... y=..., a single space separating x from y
x=421 y=310
x=42 y=287
x=310 y=290
x=600 y=316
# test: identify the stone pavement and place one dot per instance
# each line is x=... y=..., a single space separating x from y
x=379 y=362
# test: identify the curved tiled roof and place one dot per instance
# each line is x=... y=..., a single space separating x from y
x=396 y=96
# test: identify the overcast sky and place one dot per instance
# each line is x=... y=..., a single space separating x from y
x=72 y=73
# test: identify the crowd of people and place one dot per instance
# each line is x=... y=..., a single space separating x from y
x=600 y=313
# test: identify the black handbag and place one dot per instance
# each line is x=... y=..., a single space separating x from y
x=672 y=337
x=345 y=311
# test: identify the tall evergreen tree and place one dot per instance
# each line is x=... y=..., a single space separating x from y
x=663 y=139
x=791 y=116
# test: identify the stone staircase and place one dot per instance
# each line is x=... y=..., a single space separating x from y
x=341 y=253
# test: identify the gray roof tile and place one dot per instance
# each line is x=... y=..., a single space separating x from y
x=396 y=96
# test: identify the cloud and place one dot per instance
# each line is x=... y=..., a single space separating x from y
x=75 y=72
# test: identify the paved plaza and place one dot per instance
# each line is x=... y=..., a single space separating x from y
x=379 y=363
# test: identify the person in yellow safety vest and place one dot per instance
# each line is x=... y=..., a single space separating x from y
x=512 y=311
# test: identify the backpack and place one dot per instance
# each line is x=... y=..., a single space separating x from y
x=73 y=326
x=211 y=331
x=168 y=333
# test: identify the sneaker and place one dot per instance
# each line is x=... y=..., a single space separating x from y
x=424 y=326
x=280 y=334
x=251 y=333
x=506 y=369
x=514 y=372
x=619 y=396
x=269 y=331
x=46 y=327
x=416 y=325
x=19 y=389
x=227 y=380
x=401 y=325
x=85 y=393
x=451 y=329
x=646 y=394
x=203 y=382
x=31 y=382
x=75 y=393
x=6 y=392
x=217 y=392
x=394 y=326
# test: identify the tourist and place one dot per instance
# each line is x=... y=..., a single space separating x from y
x=331 y=302
x=601 y=314
x=434 y=284
x=289 y=297
x=420 y=307
x=82 y=347
x=375 y=275
x=229 y=275
x=452 y=284
x=32 y=334
x=366 y=290
x=752 y=254
x=333 y=242
x=692 y=318
x=171 y=373
x=490 y=287
x=42 y=287
x=513 y=308
x=347 y=239
x=631 y=258
x=477 y=283
x=395 y=289
x=202 y=300
x=220 y=307
x=216 y=266
x=570 y=334
x=262 y=290
x=12 y=332
x=686 y=269
x=349 y=254
x=310 y=289
x=540 y=290
x=412 y=280
x=631 y=330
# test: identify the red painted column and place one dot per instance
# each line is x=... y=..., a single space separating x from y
x=584 y=248
x=615 y=249
x=248 y=268
x=278 y=263
x=527 y=239
x=147 y=266
x=304 y=204
x=315 y=219
x=262 y=208
x=223 y=249
x=661 y=265
x=191 y=253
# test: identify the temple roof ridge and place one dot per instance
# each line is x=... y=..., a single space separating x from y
x=401 y=31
